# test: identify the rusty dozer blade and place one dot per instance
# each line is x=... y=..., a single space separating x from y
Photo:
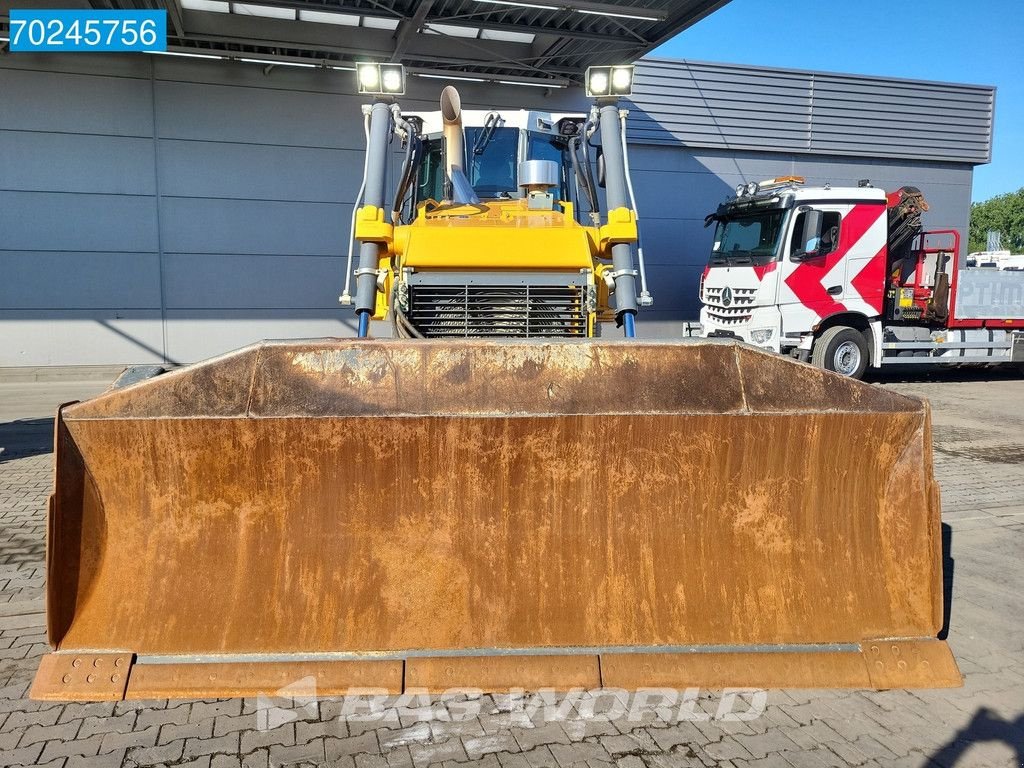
x=438 y=515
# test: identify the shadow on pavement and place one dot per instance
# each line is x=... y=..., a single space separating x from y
x=911 y=373
x=948 y=564
x=25 y=437
x=986 y=725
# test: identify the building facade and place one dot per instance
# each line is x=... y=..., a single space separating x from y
x=167 y=209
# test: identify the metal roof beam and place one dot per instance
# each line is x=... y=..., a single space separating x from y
x=352 y=41
x=174 y=11
x=585 y=6
x=409 y=27
x=536 y=29
x=476 y=20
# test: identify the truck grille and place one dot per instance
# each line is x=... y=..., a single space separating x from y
x=740 y=296
x=497 y=310
x=731 y=316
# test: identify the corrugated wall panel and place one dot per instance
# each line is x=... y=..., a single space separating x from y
x=57 y=221
x=38 y=161
x=59 y=102
x=812 y=112
x=72 y=280
x=710 y=105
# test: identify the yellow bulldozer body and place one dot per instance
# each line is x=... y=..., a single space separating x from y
x=483 y=514
x=494 y=237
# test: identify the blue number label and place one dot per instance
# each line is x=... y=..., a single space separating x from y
x=75 y=31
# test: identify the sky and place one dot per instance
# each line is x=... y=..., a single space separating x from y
x=979 y=42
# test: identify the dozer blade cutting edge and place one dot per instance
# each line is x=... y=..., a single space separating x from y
x=494 y=515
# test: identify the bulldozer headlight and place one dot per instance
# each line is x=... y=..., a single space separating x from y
x=609 y=81
x=622 y=80
x=392 y=78
x=381 y=79
x=369 y=77
x=597 y=81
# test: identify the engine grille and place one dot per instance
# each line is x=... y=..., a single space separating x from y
x=523 y=311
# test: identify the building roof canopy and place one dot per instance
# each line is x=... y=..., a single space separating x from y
x=533 y=41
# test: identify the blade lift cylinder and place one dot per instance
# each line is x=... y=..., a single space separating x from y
x=617 y=196
x=375 y=183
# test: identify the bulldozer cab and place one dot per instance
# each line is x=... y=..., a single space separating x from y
x=495 y=144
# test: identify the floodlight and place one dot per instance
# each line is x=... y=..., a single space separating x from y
x=622 y=80
x=392 y=79
x=597 y=82
x=604 y=82
x=381 y=79
x=369 y=77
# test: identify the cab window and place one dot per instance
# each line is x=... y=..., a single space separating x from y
x=823 y=245
x=544 y=147
x=493 y=162
x=431 y=172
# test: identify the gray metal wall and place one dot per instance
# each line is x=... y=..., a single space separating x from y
x=159 y=208
x=735 y=107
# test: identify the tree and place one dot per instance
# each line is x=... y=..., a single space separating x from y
x=1004 y=213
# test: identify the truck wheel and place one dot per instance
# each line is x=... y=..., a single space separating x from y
x=843 y=350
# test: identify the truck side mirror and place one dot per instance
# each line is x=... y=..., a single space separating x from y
x=810 y=237
x=600 y=168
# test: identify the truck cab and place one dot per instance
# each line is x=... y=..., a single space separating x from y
x=846 y=278
x=787 y=260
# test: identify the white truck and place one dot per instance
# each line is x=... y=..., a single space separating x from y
x=846 y=278
x=996 y=260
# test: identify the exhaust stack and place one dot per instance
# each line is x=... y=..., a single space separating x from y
x=451 y=114
x=454 y=148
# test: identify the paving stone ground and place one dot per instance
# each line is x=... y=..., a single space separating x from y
x=979 y=455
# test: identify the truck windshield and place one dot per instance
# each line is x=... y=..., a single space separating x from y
x=751 y=238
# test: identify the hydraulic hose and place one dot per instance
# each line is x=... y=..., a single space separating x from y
x=346 y=296
x=588 y=191
x=401 y=328
x=588 y=128
x=406 y=164
x=645 y=296
x=409 y=164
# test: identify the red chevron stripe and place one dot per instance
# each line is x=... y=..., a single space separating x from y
x=805 y=280
x=870 y=281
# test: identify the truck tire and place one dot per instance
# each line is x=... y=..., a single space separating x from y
x=843 y=350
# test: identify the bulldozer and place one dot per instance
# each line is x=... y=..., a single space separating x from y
x=502 y=496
